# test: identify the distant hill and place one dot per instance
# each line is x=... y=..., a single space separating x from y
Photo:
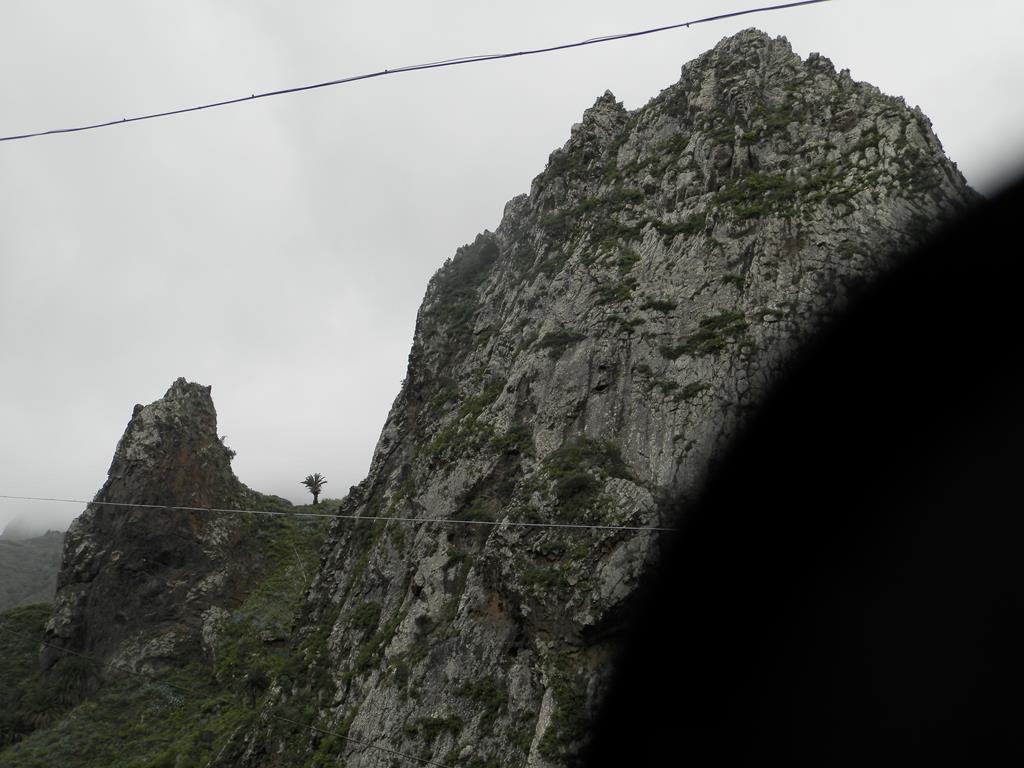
x=26 y=527
x=28 y=569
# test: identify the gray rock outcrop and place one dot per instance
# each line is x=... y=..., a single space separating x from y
x=136 y=582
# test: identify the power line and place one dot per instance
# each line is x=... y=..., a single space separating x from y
x=413 y=68
x=153 y=678
x=438 y=520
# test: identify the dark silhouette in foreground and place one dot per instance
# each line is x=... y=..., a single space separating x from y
x=847 y=589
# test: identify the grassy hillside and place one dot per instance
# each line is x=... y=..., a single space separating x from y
x=84 y=715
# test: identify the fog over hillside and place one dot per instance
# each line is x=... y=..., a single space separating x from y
x=28 y=525
x=28 y=569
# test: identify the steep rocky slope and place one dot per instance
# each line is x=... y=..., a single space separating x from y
x=582 y=364
x=140 y=585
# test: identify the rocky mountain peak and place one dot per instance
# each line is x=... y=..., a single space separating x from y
x=601 y=122
x=135 y=581
x=582 y=364
x=171 y=450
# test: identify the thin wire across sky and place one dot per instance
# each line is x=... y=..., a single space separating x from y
x=409 y=68
x=506 y=522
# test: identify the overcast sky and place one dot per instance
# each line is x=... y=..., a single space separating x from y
x=278 y=250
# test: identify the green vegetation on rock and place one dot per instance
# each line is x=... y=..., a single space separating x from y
x=556 y=342
x=757 y=194
x=570 y=719
x=577 y=472
x=713 y=334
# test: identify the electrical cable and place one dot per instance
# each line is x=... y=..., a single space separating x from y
x=411 y=68
x=440 y=520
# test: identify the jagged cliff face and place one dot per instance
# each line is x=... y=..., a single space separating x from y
x=136 y=584
x=582 y=364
